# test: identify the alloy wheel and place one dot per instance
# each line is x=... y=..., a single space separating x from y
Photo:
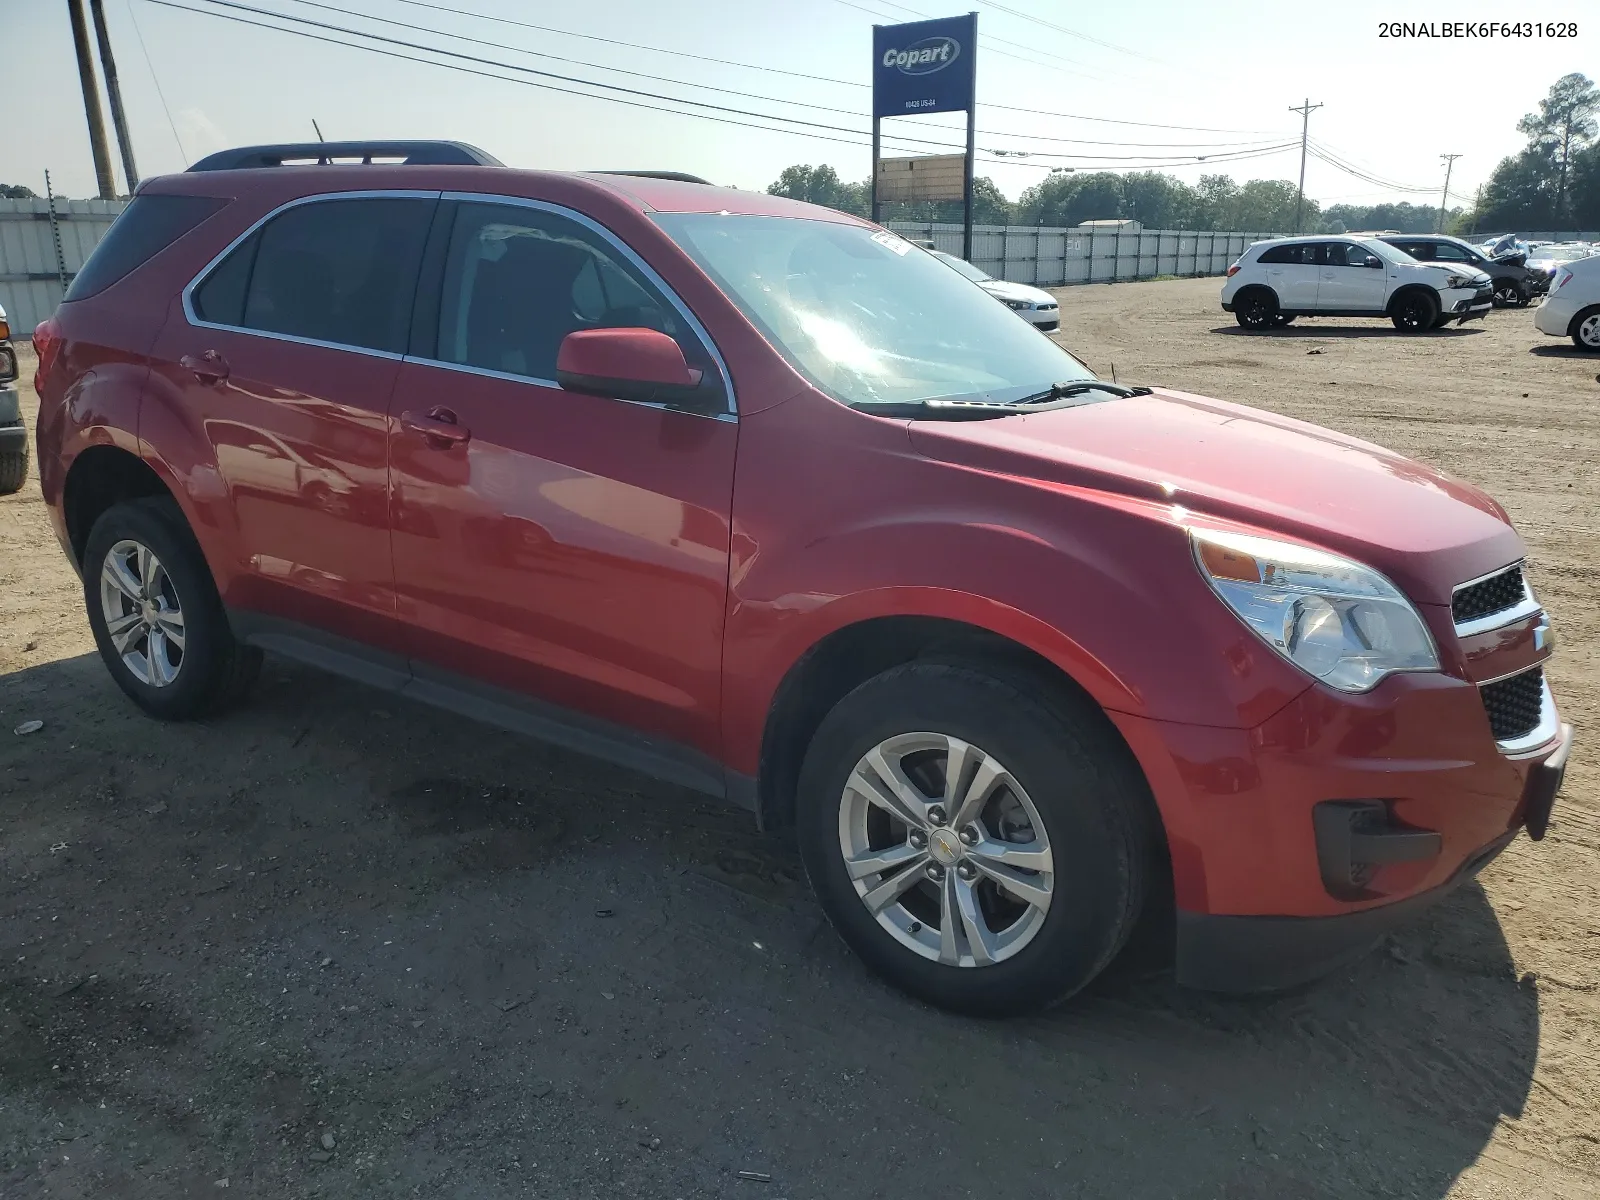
x=946 y=849
x=143 y=616
x=1589 y=331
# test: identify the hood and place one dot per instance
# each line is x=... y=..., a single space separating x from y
x=1423 y=529
x=1004 y=290
x=1465 y=270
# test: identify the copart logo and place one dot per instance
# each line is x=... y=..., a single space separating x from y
x=924 y=57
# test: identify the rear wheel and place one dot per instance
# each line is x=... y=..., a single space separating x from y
x=156 y=616
x=1256 y=309
x=13 y=470
x=1586 y=330
x=973 y=838
x=1415 y=312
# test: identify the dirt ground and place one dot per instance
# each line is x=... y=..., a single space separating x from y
x=336 y=945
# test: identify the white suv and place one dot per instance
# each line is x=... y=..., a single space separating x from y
x=1275 y=282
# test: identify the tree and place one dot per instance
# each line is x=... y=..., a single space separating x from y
x=15 y=191
x=1563 y=126
x=821 y=185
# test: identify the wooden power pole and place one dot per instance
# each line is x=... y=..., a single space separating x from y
x=1444 y=201
x=119 y=119
x=91 y=103
x=1305 y=110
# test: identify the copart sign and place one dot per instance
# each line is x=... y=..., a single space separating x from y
x=926 y=66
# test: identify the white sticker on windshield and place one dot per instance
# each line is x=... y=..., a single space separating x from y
x=889 y=242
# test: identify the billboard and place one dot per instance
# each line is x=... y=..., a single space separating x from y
x=924 y=66
x=931 y=177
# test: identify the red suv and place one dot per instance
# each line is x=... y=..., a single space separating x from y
x=763 y=500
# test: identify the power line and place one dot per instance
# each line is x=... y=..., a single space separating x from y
x=850 y=112
x=983 y=38
x=183 y=155
x=1063 y=29
x=1327 y=155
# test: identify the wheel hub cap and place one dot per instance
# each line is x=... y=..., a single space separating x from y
x=946 y=850
x=143 y=617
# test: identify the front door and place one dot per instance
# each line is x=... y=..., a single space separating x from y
x=1349 y=283
x=285 y=357
x=568 y=547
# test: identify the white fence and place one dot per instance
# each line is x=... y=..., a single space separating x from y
x=37 y=253
x=1049 y=257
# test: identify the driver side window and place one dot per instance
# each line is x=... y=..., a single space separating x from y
x=517 y=280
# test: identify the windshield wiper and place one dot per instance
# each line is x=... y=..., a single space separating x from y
x=1077 y=387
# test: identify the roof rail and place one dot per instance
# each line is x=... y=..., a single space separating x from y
x=675 y=176
x=410 y=153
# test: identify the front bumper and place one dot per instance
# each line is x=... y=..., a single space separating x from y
x=1252 y=860
x=1469 y=304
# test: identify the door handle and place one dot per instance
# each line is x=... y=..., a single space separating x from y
x=208 y=366
x=439 y=427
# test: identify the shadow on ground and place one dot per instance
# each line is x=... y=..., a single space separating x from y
x=1345 y=331
x=484 y=967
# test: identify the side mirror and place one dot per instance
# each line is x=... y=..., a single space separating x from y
x=1373 y=261
x=634 y=363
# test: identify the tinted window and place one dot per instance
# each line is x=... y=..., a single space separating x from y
x=342 y=271
x=1449 y=252
x=1283 y=254
x=1417 y=250
x=1344 y=254
x=148 y=225
x=220 y=299
x=518 y=280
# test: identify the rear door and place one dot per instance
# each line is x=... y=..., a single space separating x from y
x=285 y=356
x=568 y=548
x=1292 y=274
x=1348 y=283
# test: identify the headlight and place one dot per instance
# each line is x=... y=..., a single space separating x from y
x=1456 y=281
x=1338 y=621
x=1016 y=304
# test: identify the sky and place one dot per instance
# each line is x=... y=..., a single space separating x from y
x=1092 y=86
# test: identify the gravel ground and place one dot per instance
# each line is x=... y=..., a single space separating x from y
x=337 y=945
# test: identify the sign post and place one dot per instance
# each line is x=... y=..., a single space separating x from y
x=927 y=67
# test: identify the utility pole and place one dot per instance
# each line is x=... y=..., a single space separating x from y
x=91 y=103
x=1444 y=201
x=1305 y=110
x=119 y=119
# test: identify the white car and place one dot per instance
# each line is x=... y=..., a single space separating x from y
x=1572 y=309
x=1033 y=305
x=1276 y=281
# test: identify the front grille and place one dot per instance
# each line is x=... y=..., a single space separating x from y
x=1047 y=307
x=1514 y=704
x=1491 y=595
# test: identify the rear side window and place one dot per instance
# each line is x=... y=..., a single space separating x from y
x=339 y=271
x=147 y=226
x=1284 y=254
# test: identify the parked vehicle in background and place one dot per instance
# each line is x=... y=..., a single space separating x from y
x=1034 y=305
x=13 y=435
x=1513 y=286
x=1276 y=281
x=753 y=496
x=1572 y=309
x=1549 y=257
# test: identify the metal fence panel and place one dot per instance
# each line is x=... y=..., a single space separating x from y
x=30 y=275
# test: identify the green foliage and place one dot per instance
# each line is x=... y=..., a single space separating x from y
x=822 y=185
x=15 y=191
x=1404 y=216
x=1554 y=182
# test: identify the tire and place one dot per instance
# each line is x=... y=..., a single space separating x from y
x=207 y=670
x=1508 y=293
x=1585 y=330
x=1068 y=782
x=13 y=470
x=1414 y=312
x=1255 y=309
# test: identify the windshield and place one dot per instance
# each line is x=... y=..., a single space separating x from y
x=961 y=267
x=865 y=315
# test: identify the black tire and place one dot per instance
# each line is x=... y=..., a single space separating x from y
x=1415 y=312
x=215 y=671
x=13 y=470
x=1255 y=308
x=1088 y=792
x=1585 y=330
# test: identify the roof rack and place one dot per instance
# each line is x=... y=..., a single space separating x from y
x=411 y=154
x=675 y=176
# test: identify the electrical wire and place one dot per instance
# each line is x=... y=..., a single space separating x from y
x=985 y=39
x=1063 y=29
x=183 y=155
x=1324 y=154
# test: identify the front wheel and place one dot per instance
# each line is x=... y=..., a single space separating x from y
x=1586 y=331
x=978 y=841
x=1415 y=312
x=1509 y=294
x=156 y=616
